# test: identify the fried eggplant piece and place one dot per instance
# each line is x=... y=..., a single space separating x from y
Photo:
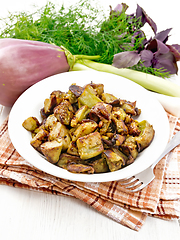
x=39 y=138
x=64 y=112
x=100 y=165
x=101 y=110
x=72 y=149
x=31 y=123
x=80 y=168
x=80 y=115
x=84 y=129
x=58 y=95
x=98 y=87
x=130 y=108
x=118 y=113
x=49 y=104
x=103 y=126
x=118 y=139
x=108 y=98
x=90 y=145
x=66 y=159
x=58 y=132
x=52 y=150
x=76 y=90
x=133 y=128
x=49 y=122
x=88 y=97
x=114 y=161
x=71 y=97
x=146 y=136
x=129 y=147
x=121 y=127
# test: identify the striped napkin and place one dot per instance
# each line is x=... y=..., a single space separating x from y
x=161 y=198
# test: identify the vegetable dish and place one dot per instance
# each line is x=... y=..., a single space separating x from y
x=86 y=130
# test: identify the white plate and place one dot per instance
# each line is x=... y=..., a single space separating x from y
x=32 y=100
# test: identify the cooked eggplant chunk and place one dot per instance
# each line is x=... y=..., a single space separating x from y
x=84 y=129
x=31 y=123
x=72 y=149
x=114 y=160
x=100 y=165
x=80 y=168
x=52 y=150
x=129 y=147
x=80 y=115
x=49 y=122
x=58 y=132
x=89 y=131
x=108 y=98
x=66 y=159
x=146 y=136
x=64 y=112
x=39 y=138
x=90 y=145
x=88 y=97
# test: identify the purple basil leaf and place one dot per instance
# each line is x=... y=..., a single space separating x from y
x=166 y=61
x=146 y=57
x=175 y=49
x=126 y=59
x=119 y=9
x=140 y=13
x=157 y=46
x=163 y=35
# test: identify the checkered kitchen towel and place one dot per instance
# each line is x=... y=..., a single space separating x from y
x=161 y=198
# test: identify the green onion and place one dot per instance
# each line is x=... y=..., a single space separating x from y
x=147 y=81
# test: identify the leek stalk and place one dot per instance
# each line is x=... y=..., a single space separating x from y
x=148 y=81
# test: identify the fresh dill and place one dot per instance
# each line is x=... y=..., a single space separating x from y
x=82 y=29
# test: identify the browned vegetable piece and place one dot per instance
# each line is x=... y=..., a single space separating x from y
x=80 y=115
x=58 y=132
x=114 y=160
x=72 y=149
x=118 y=139
x=98 y=87
x=101 y=110
x=129 y=147
x=49 y=104
x=80 y=168
x=146 y=136
x=130 y=108
x=31 y=123
x=90 y=145
x=100 y=165
x=103 y=126
x=52 y=150
x=76 y=90
x=88 y=97
x=118 y=113
x=58 y=95
x=64 y=112
x=39 y=138
x=66 y=159
x=71 y=97
x=49 y=122
x=108 y=98
x=84 y=129
x=133 y=128
x=120 y=126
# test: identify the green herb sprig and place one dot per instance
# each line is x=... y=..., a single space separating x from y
x=82 y=29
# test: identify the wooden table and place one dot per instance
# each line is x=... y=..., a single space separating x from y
x=28 y=215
